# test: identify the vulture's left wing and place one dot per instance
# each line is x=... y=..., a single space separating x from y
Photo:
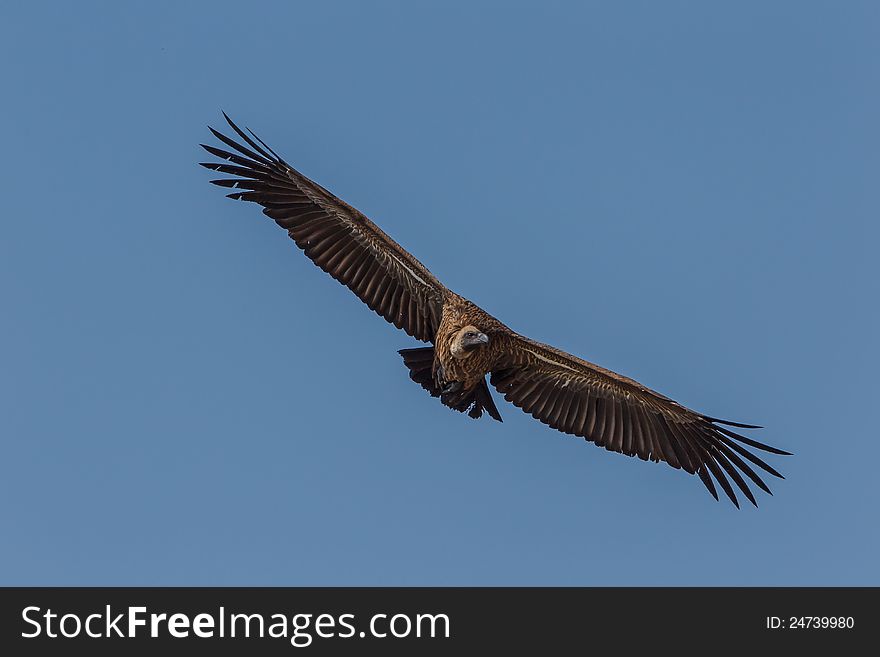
x=622 y=415
x=334 y=235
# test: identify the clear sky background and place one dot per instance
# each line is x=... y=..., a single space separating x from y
x=684 y=192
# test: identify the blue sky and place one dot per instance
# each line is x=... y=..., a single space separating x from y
x=683 y=192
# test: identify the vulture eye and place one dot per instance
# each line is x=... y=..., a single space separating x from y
x=470 y=334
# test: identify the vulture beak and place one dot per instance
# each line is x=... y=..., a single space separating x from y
x=478 y=340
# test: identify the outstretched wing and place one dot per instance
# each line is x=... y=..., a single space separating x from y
x=334 y=235
x=622 y=415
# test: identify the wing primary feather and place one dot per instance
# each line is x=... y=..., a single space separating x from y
x=707 y=481
x=731 y=424
x=700 y=446
x=668 y=442
x=677 y=441
x=733 y=474
x=719 y=476
x=266 y=146
x=250 y=142
x=753 y=443
x=235 y=170
x=742 y=465
x=751 y=457
x=692 y=445
x=241 y=149
x=232 y=157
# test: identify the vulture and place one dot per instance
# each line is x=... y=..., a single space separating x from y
x=467 y=344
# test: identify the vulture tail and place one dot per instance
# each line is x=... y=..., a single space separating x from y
x=420 y=362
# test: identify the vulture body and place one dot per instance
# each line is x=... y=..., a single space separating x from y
x=468 y=344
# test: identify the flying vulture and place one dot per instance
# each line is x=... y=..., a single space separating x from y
x=467 y=344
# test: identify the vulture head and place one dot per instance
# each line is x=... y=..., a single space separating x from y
x=467 y=340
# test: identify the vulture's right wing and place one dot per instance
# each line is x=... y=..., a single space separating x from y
x=337 y=237
x=620 y=414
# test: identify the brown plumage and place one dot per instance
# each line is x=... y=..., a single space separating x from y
x=560 y=390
